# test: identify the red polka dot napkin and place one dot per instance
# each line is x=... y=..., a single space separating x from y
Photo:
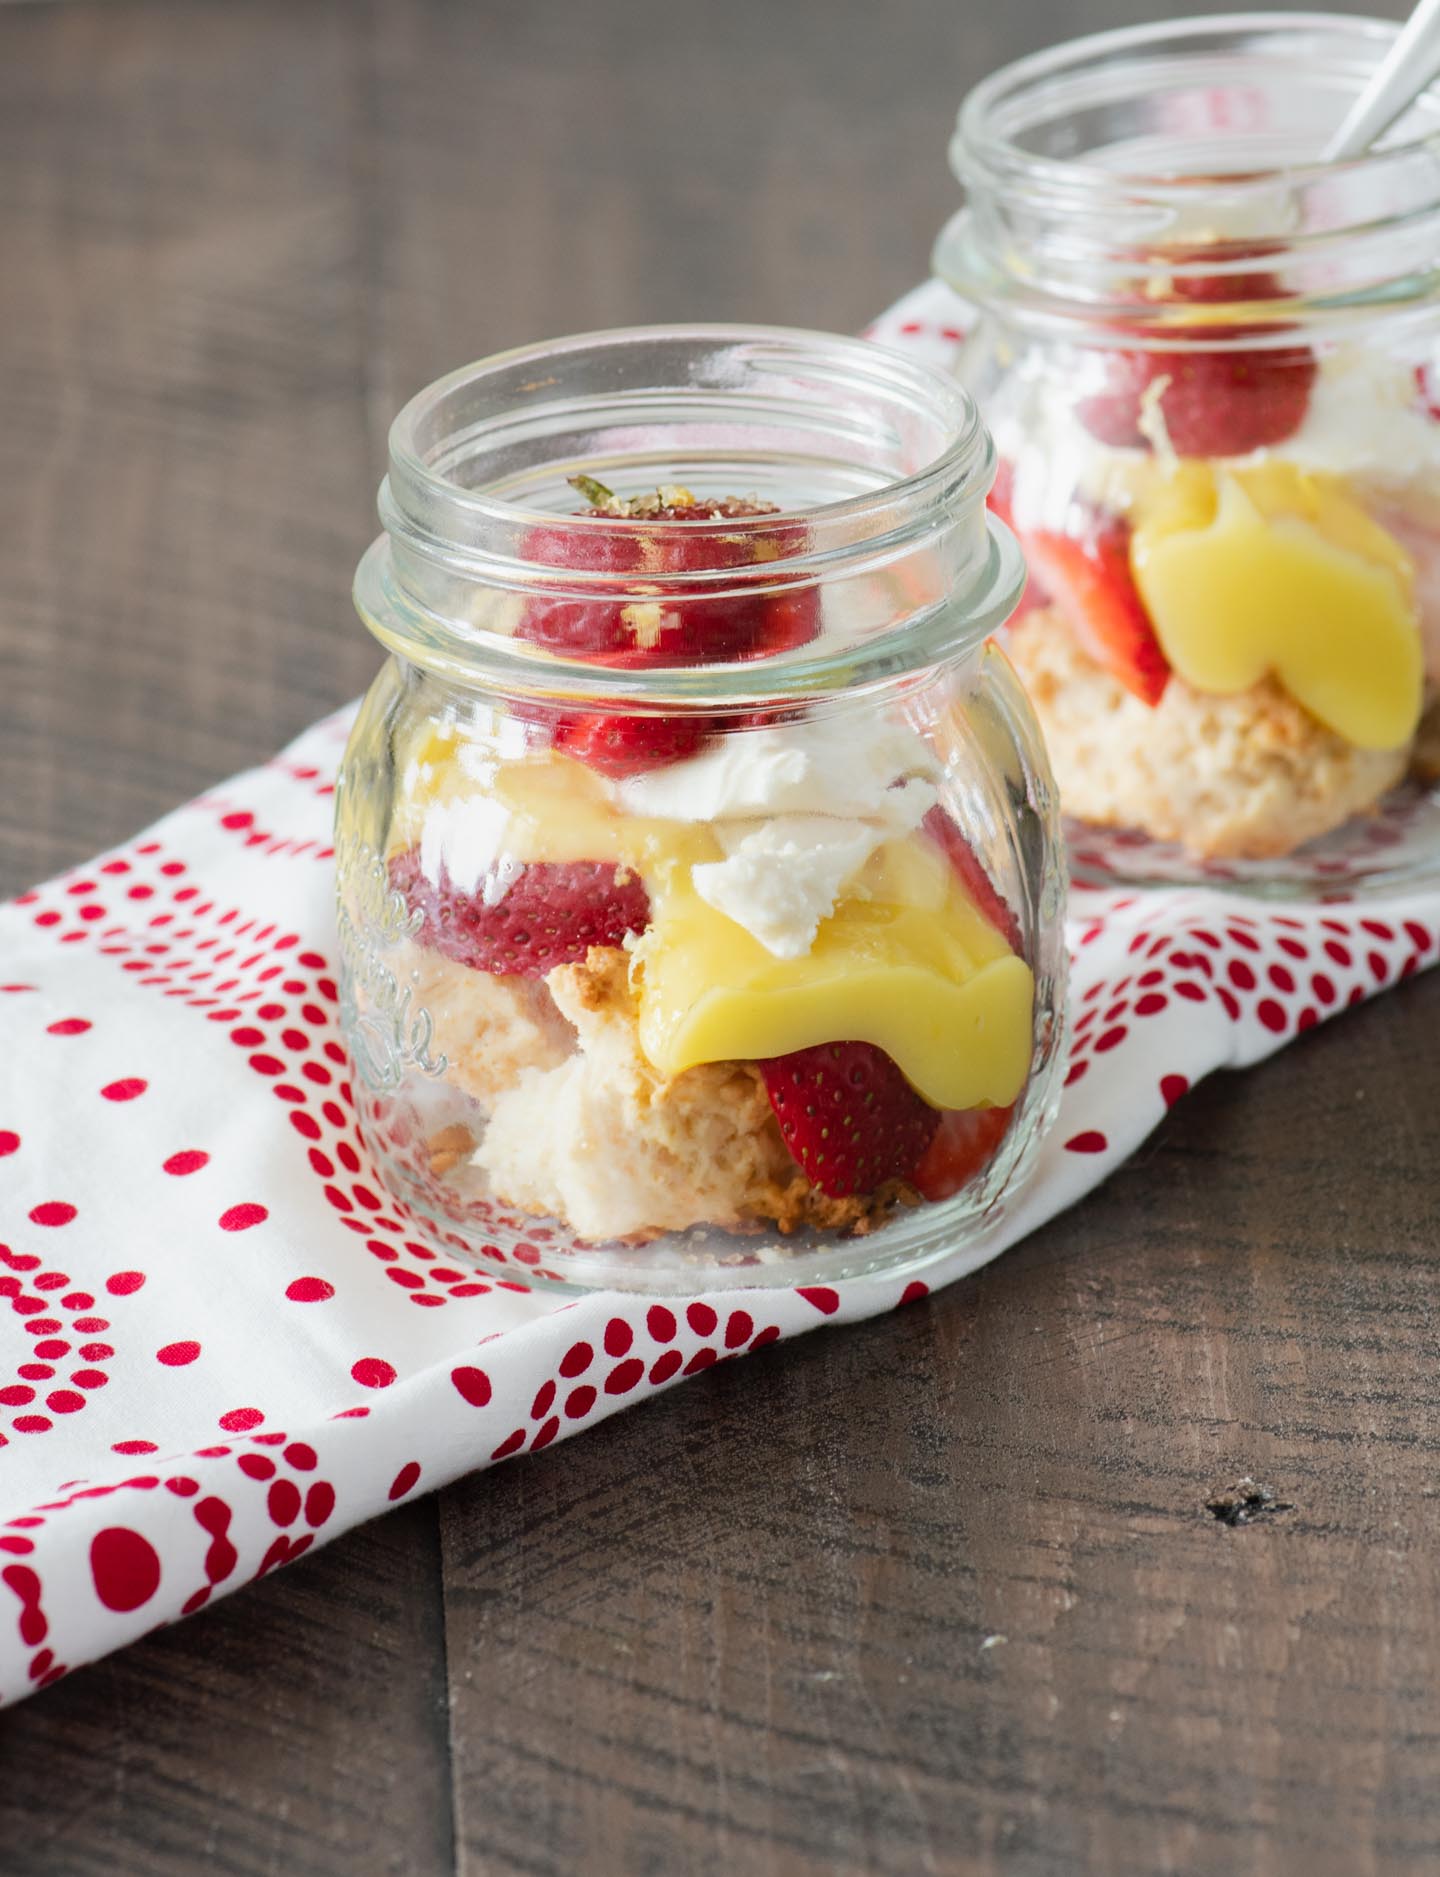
x=220 y=1345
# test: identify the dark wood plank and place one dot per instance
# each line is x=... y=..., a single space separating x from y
x=942 y=1593
x=299 y=1726
x=186 y=468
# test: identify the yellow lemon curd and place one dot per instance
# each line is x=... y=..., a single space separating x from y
x=1274 y=569
x=905 y=961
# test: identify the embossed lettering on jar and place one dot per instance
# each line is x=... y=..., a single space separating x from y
x=699 y=890
x=1210 y=364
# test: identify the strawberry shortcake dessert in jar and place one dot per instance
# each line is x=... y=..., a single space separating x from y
x=1209 y=360
x=699 y=882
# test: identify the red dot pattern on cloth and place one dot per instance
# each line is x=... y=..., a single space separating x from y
x=319 y=1502
x=618 y=1337
x=9 y=1142
x=52 y=1212
x=473 y=1385
x=123 y=1283
x=241 y=1218
x=309 y=1290
x=178 y=1355
x=24 y=1583
x=372 y=1372
x=127 y=1089
x=125 y=1567
x=283 y=1502
x=825 y=1300
x=188 y=1160
x=405 y=1480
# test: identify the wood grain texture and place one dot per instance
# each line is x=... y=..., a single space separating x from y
x=942 y=1593
x=937 y=1594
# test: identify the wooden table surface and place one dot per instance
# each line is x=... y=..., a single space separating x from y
x=936 y=1594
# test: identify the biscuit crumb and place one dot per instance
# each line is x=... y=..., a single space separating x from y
x=1248 y=777
x=448 y=1148
x=487 y=1028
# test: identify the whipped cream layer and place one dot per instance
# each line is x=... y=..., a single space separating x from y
x=774 y=824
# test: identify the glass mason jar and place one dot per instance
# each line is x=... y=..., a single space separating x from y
x=1209 y=362
x=699 y=884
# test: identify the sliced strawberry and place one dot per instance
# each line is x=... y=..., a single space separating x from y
x=628 y=746
x=1213 y=403
x=667 y=629
x=581 y=627
x=979 y=887
x=964 y=1143
x=848 y=1116
x=1089 y=575
x=1216 y=289
x=551 y=914
x=647 y=625
x=791 y=620
x=1001 y=502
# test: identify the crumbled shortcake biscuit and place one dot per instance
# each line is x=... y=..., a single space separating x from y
x=487 y=1028
x=1252 y=776
x=615 y=1149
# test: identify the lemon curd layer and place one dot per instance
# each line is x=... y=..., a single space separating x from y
x=904 y=960
x=1274 y=569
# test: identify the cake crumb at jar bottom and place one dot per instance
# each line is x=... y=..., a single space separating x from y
x=1248 y=777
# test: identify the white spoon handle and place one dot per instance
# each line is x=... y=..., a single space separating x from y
x=1407 y=68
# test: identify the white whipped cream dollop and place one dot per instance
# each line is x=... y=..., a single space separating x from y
x=819 y=766
x=781 y=877
x=1366 y=418
x=797 y=811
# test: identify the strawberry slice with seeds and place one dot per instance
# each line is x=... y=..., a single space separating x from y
x=635 y=629
x=668 y=629
x=627 y=746
x=551 y=914
x=580 y=628
x=1211 y=403
x=1089 y=575
x=980 y=889
x=963 y=1145
x=848 y=1116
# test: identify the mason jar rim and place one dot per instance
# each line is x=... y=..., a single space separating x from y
x=438 y=529
x=408 y=464
x=1056 y=236
x=973 y=139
